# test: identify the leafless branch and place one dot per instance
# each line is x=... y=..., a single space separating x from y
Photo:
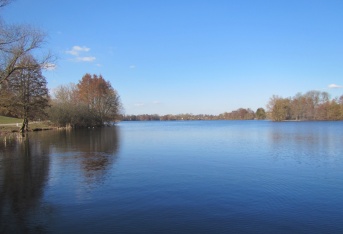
x=16 y=42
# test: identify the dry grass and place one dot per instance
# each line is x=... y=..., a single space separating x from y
x=11 y=125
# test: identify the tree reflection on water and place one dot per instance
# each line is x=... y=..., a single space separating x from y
x=94 y=150
x=25 y=168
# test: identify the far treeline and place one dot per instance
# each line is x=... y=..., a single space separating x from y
x=311 y=106
x=240 y=114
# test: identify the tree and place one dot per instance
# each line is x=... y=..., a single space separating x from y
x=313 y=99
x=92 y=102
x=298 y=104
x=102 y=100
x=25 y=94
x=340 y=100
x=16 y=42
x=261 y=113
x=313 y=105
x=334 y=111
x=279 y=108
x=64 y=107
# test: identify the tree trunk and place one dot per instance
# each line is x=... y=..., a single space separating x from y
x=25 y=125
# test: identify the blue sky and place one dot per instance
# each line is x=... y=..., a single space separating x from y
x=192 y=56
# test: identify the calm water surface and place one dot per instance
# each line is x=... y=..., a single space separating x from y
x=175 y=177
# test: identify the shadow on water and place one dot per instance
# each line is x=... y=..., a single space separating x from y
x=24 y=169
x=25 y=164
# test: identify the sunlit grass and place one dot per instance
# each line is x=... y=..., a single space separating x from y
x=9 y=120
x=8 y=125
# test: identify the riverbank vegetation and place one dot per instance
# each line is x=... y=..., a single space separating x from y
x=12 y=125
x=92 y=102
x=25 y=94
x=313 y=105
x=239 y=114
x=23 y=88
x=23 y=91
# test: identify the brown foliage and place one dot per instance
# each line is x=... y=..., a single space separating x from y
x=102 y=100
x=313 y=105
x=92 y=102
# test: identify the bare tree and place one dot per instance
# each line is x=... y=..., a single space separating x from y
x=15 y=43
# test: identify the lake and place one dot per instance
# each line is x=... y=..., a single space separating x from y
x=175 y=177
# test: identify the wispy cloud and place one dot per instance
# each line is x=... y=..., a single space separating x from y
x=76 y=50
x=49 y=66
x=156 y=102
x=335 y=86
x=79 y=54
x=86 y=59
x=132 y=66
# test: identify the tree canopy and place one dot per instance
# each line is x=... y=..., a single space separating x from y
x=261 y=113
x=92 y=102
x=313 y=105
x=25 y=94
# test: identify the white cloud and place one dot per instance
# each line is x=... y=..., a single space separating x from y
x=156 y=102
x=86 y=59
x=80 y=54
x=49 y=66
x=76 y=50
x=132 y=66
x=335 y=86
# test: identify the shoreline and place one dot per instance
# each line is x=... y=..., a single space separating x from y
x=7 y=129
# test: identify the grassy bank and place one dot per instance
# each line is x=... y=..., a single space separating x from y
x=11 y=125
x=9 y=120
